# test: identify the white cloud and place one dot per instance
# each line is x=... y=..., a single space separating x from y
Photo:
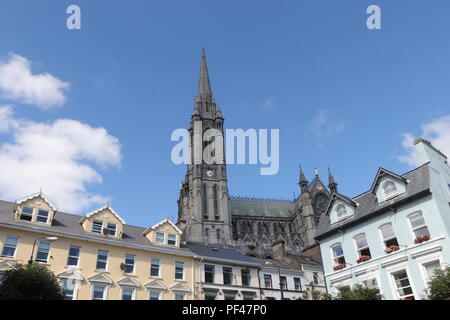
x=436 y=131
x=18 y=84
x=57 y=157
x=324 y=125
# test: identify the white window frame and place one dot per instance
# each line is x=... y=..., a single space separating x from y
x=213 y=274
x=107 y=260
x=383 y=241
x=332 y=253
x=101 y=226
x=223 y=275
x=421 y=226
x=163 y=237
x=38 y=210
x=159 y=268
x=394 y=192
x=391 y=269
x=183 y=272
x=15 y=249
x=76 y=286
x=358 y=250
x=174 y=240
x=133 y=294
x=127 y=255
x=48 y=253
x=160 y=293
x=271 y=282
x=105 y=290
x=32 y=213
x=184 y=294
x=345 y=214
x=108 y=229
x=368 y=275
x=422 y=260
x=69 y=256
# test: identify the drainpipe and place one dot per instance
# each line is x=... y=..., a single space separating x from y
x=259 y=284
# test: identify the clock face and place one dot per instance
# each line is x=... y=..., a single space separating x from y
x=210 y=173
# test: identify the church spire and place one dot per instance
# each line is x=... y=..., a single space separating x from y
x=204 y=85
x=303 y=182
x=331 y=182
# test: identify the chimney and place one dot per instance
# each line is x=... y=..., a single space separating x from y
x=278 y=250
x=428 y=153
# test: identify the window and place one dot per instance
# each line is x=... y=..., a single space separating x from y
x=207 y=234
x=297 y=284
x=205 y=201
x=430 y=267
x=42 y=216
x=179 y=296
x=68 y=286
x=9 y=248
x=389 y=189
x=179 y=270
x=155 y=295
x=26 y=214
x=418 y=224
x=403 y=285
x=338 y=254
x=370 y=283
x=362 y=246
x=245 y=277
x=160 y=237
x=341 y=212
x=154 y=268
x=267 y=281
x=218 y=235
x=98 y=292
x=172 y=239
x=316 y=278
x=283 y=283
x=102 y=260
x=129 y=263
x=389 y=238
x=43 y=250
x=97 y=226
x=111 y=229
x=127 y=293
x=74 y=254
x=216 y=202
x=227 y=275
x=209 y=273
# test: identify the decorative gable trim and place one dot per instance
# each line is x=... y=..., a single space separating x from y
x=156 y=285
x=6 y=265
x=101 y=277
x=90 y=214
x=129 y=281
x=41 y=195
x=180 y=287
x=157 y=225
x=71 y=274
x=381 y=173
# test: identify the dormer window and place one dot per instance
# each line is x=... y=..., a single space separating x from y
x=160 y=237
x=389 y=189
x=111 y=229
x=42 y=216
x=26 y=214
x=341 y=212
x=172 y=239
x=97 y=226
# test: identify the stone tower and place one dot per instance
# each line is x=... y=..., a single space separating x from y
x=203 y=210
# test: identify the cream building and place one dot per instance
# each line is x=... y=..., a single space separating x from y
x=98 y=256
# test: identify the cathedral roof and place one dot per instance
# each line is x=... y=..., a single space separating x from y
x=214 y=253
x=368 y=206
x=261 y=208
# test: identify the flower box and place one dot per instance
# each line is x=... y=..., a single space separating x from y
x=421 y=239
x=339 y=266
x=391 y=249
x=363 y=258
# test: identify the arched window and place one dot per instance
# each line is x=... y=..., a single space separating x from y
x=205 y=201
x=216 y=202
x=260 y=228
x=218 y=235
x=389 y=189
x=340 y=211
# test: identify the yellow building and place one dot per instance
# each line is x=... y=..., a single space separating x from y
x=98 y=256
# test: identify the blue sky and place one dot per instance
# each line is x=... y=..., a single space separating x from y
x=341 y=95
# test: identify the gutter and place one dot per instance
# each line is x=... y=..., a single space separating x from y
x=96 y=240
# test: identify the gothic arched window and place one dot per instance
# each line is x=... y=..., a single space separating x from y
x=260 y=228
x=216 y=202
x=275 y=230
x=205 y=201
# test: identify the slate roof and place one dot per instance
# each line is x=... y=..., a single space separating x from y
x=419 y=184
x=69 y=224
x=254 y=208
x=220 y=253
x=283 y=265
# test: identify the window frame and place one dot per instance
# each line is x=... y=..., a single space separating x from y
x=177 y=263
x=128 y=256
x=230 y=274
x=69 y=256
x=183 y=294
x=283 y=283
x=394 y=193
x=366 y=247
x=158 y=268
x=27 y=214
x=384 y=240
x=270 y=279
x=106 y=260
x=345 y=214
x=298 y=286
x=39 y=216
x=337 y=257
x=174 y=240
x=211 y=273
x=249 y=277
x=413 y=229
x=133 y=292
x=76 y=284
x=150 y=291
x=396 y=289
x=163 y=238
x=105 y=290
x=109 y=230
x=48 y=252
x=96 y=223
x=15 y=248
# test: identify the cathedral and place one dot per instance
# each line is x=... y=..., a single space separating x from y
x=208 y=214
